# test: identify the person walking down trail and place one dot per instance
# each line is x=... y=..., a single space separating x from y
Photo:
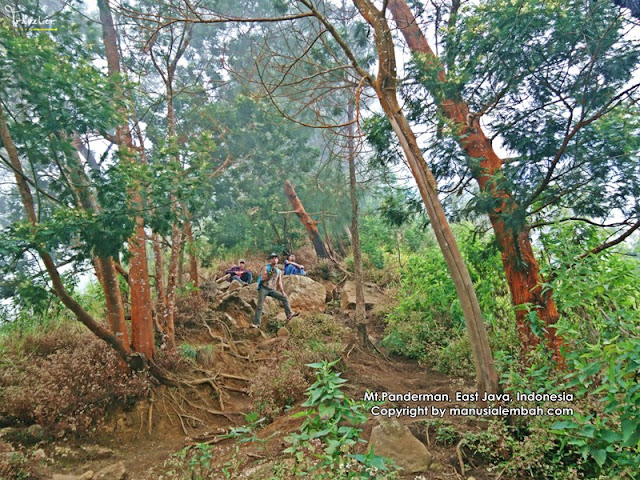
x=271 y=278
x=238 y=272
x=293 y=268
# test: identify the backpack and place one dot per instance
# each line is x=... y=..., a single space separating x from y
x=269 y=268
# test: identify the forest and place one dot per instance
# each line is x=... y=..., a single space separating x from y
x=331 y=239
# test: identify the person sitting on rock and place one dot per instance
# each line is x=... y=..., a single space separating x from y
x=239 y=273
x=293 y=268
x=271 y=278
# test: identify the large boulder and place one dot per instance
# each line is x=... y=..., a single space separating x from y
x=305 y=295
x=235 y=285
x=393 y=440
x=372 y=295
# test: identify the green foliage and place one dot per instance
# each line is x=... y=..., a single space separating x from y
x=329 y=431
x=492 y=445
x=609 y=442
x=16 y=467
x=247 y=433
x=445 y=433
x=428 y=323
x=553 y=75
x=192 y=462
x=188 y=351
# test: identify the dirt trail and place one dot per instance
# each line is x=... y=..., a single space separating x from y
x=191 y=415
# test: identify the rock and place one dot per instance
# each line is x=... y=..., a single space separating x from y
x=88 y=475
x=236 y=306
x=235 y=285
x=372 y=296
x=209 y=290
x=7 y=432
x=39 y=454
x=305 y=294
x=223 y=285
x=96 y=452
x=63 y=451
x=6 y=447
x=117 y=471
x=393 y=440
x=283 y=332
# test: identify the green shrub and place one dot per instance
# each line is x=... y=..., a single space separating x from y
x=188 y=351
x=427 y=322
x=326 y=441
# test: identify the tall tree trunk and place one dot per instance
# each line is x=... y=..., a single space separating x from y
x=519 y=263
x=191 y=249
x=308 y=223
x=172 y=282
x=141 y=312
x=385 y=85
x=360 y=315
x=58 y=286
x=161 y=321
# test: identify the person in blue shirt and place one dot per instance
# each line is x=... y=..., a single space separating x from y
x=293 y=268
x=269 y=281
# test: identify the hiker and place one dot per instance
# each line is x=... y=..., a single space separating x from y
x=238 y=272
x=293 y=268
x=271 y=278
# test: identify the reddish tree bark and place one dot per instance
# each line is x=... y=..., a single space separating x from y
x=161 y=295
x=519 y=263
x=141 y=312
x=308 y=223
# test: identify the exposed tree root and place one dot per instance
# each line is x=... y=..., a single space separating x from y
x=459 y=455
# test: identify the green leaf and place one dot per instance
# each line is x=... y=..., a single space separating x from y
x=610 y=436
x=628 y=427
x=303 y=413
x=599 y=455
x=564 y=424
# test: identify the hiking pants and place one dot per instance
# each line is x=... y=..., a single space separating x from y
x=265 y=292
x=246 y=277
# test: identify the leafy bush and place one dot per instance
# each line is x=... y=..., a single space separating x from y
x=188 y=351
x=193 y=462
x=68 y=385
x=330 y=432
x=15 y=467
x=428 y=323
